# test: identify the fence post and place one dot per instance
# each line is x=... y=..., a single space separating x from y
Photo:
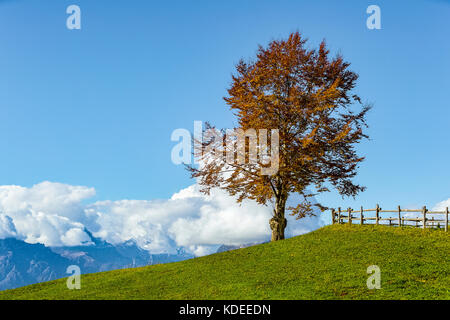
x=362 y=217
x=424 y=211
x=399 y=216
x=349 y=215
x=446 y=219
x=333 y=214
x=339 y=215
x=378 y=214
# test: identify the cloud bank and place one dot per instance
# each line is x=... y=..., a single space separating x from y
x=55 y=214
x=442 y=205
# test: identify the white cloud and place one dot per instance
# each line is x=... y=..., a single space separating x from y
x=46 y=213
x=7 y=228
x=219 y=219
x=442 y=205
x=54 y=214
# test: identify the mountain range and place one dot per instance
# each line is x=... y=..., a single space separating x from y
x=23 y=264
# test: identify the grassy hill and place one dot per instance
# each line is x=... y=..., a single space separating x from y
x=329 y=263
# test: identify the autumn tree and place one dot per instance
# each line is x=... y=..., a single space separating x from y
x=309 y=97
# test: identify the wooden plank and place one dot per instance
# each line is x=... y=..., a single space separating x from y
x=414 y=219
x=424 y=212
x=385 y=219
x=333 y=214
x=339 y=215
x=349 y=216
x=361 y=216
x=399 y=216
x=378 y=214
x=446 y=219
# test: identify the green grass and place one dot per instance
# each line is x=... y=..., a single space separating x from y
x=330 y=263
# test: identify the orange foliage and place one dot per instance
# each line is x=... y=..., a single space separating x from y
x=308 y=96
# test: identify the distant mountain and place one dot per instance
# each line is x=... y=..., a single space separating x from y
x=225 y=247
x=22 y=263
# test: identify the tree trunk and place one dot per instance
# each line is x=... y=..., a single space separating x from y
x=278 y=222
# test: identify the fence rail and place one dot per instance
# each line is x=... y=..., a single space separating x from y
x=426 y=219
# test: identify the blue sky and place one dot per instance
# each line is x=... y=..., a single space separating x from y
x=96 y=106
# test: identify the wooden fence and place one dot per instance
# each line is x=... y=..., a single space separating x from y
x=424 y=219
